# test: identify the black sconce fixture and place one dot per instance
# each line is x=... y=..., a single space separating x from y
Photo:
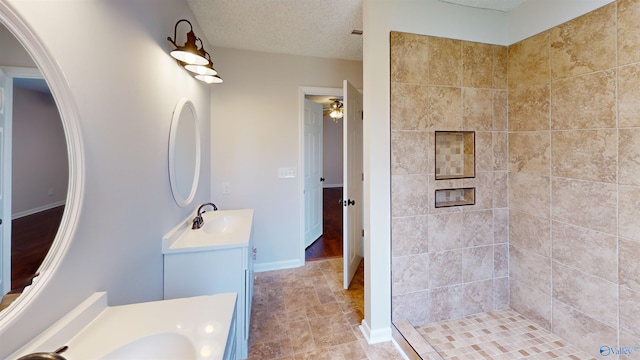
x=194 y=59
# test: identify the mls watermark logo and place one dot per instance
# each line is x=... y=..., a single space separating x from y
x=624 y=350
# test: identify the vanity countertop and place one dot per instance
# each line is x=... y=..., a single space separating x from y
x=222 y=229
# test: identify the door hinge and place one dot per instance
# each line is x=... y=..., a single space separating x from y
x=362 y=115
x=362 y=176
x=362 y=232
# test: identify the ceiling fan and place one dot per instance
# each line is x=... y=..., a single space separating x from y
x=335 y=110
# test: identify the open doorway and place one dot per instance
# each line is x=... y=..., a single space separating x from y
x=329 y=243
x=352 y=174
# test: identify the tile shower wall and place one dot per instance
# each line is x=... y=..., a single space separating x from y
x=447 y=262
x=569 y=221
x=574 y=178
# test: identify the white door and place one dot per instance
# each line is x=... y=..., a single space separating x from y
x=6 y=100
x=352 y=182
x=312 y=171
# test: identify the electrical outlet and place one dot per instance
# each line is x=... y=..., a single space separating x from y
x=226 y=188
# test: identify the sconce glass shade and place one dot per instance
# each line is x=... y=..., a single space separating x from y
x=210 y=79
x=336 y=114
x=201 y=69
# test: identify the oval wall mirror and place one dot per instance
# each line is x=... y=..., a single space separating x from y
x=184 y=153
x=56 y=117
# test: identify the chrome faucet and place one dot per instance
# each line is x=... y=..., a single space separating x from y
x=198 y=221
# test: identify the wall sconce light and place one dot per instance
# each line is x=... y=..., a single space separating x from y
x=194 y=59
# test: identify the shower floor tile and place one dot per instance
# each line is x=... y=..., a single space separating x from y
x=503 y=334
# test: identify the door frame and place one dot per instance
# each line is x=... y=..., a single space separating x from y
x=303 y=91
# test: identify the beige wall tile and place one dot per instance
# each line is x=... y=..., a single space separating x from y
x=409 y=107
x=410 y=273
x=500 y=110
x=582 y=331
x=628 y=94
x=501 y=260
x=585 y=155
x=442 y=184
x=585 y=203
x=500 y=150
x=500 y=293
x=586 y=250
x=530 y=193
x=576 y=289
x=483 y=182
x=484 y=151
x=409 y=54
x=530 y=232
x=409 y=235
x=531 y=303
x=529 y=61
x=500 y=189
x=584 y=102
x=477 y=228
x=629 y=311
x=530 y=152
x=445 y=61
x=630 y=264
x=628 y=224
x=500 y=63
x=445 y=268
x=478 y=297
x=530 y=269
x=409 y=152
x=629 y=155
x=477 y=263
x=585 y=44
x=529 y=108
x=628 y=31
x=413 y=307
x=445 y=108
x=477 y=64
x=477 y=109
x=445 y=231
x=500 y=226
x=409 y=195
x=446 y=303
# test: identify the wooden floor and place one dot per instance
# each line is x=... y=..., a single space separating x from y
x=329 y=244
x=31 y=238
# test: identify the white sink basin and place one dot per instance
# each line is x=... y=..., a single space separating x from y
x=198 y=327
x=156 y=346
x=221 y=229
x=225 y=224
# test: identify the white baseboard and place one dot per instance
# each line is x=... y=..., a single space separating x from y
x=37 y=210
x=278 y=265
x=326 y=186
x=375 y=336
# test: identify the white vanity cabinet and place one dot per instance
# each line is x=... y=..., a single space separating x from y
x=201 y=262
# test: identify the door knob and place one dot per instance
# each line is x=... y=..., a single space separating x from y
x=348 y=202
x=321 y=179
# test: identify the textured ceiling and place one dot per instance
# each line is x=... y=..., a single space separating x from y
x=299 y=27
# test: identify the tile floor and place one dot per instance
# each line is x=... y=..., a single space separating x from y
x=497 y=335
x=304 y=313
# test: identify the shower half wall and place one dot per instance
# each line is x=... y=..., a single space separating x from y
x=563 y=195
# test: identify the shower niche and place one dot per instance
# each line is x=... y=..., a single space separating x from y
x=455 y=159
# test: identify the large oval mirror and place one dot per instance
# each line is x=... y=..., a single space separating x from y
x=184 y=153
x=39 y=192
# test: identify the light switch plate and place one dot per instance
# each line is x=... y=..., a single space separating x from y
x=287 y=173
